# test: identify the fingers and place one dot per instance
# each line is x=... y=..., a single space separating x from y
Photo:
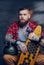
x=24 y=49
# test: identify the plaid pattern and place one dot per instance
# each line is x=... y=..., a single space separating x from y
x=14 y=27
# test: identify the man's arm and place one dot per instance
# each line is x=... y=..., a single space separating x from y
x=9 y=35
x=33 y=36
x=9 y=38
x=35 y=27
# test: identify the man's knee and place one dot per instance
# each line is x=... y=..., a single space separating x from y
x=7 y=57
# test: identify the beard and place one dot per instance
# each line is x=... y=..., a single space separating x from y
x=22 y=24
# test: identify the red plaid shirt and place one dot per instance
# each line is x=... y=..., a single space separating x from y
x=14 y=27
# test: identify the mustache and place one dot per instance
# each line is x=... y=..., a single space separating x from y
x=22 y=19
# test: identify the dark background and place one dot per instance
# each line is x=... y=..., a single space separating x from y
x=8 y=14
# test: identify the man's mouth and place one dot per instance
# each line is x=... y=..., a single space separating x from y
x=22 y=20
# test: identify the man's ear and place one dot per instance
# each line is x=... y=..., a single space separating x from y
x=30 y=13
x=29 y=16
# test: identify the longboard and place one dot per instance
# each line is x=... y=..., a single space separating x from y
x=29 y=58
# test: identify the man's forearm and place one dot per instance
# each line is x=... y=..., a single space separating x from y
x=9 y=38
x=33 y=36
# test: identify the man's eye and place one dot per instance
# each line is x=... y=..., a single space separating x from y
x=24 y=14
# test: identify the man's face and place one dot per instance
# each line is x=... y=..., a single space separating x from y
x=24 y=15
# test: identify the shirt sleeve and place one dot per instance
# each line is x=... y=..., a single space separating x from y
x=10 y=35
x=9 y=31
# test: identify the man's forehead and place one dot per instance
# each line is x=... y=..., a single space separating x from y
x=24 y=11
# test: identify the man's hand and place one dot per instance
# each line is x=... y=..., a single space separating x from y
x=22 y=46
x=24 y=49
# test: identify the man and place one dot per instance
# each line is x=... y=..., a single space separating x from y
x=18 y=33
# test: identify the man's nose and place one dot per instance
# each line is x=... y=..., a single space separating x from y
x=22 y=16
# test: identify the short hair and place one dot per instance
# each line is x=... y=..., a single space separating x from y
x=29 y=9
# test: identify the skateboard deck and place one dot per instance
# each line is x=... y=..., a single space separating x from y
x=29 y=58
